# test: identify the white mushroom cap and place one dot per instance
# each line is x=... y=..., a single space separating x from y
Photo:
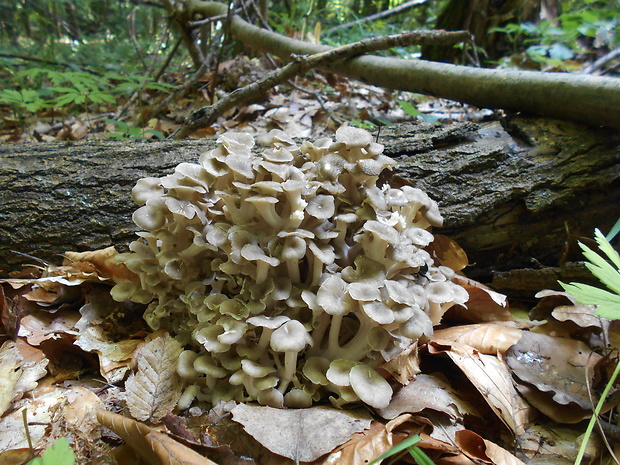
x=146 y=189
x=339 y=370
x=370 y=386
x=292 y=336
x=353 y=137
x=332 y=296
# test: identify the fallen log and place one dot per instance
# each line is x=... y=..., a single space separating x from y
x=508 y=192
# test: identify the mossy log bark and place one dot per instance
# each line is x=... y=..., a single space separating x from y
x=508 y=192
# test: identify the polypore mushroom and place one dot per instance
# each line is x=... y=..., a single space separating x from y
x=275 y=268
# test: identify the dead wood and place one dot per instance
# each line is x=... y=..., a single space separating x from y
x=508 y=194
x=206 y=116
x=589 y=99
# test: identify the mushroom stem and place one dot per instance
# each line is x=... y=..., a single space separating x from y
x=334 y=335
x=268 y=212
x=292 y=267
x=262 y=268
x=290 y=367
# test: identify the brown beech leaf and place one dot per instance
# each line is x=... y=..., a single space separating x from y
x=556 y=366
x=482 y=450
x=302 y=435
x=20 y=369
x=492 y=379
x=483 y=305
x=449 y=253
x=487 y=338
x=366 y=446
x=427 y=391
x=557 y=444
x=155 y=387
x=153 y=447
x=114 y=357
x=104 y=261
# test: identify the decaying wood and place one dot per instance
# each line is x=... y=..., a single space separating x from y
x=592 y=100
x=508 y=194
x=206 y=116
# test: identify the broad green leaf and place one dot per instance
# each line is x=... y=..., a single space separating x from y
x=59 y=453
x=409 y=109
x=608 y=304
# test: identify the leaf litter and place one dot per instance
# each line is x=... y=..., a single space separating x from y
x=86 y=368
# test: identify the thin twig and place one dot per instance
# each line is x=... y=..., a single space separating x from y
x=602 y=61
x=381 y=15
x=208 y=115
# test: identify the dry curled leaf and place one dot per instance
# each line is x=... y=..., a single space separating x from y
x=302 y=435
x=366 y=446
x=18 y=373
x=155 y=387
x=487 y=338
x=492 y=379
x=153 y=447
x=556 y=367
x=424 y=392
x=484 y=304
x=104 y=262
x=483 y=451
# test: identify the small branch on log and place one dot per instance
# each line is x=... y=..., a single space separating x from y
x=208 y=115
x=593 y=100
x=381 y=15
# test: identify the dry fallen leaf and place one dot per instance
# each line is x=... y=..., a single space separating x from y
x=482 y=450
x=114 y=357
x=104 y=261
x=11 y=369
x=556 y=444
x=18 y=374
x=155 y=388
x=366 y=446
x=449 y=253
x=492 y=379
x=557 y=368
x=300 y=434
x=487 y=338
x=153 y=447
x=427 y=391
x=483 y=304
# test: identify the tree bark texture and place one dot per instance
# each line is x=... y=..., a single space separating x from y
x=508 y=192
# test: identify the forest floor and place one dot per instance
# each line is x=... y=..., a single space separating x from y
x=499 y=382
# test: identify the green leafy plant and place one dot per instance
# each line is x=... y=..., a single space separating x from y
x=124 y=131
x=556 y=43
x=608 y=306
x=413 y=111
x=59 y=453
x=20 y=101
x=409 y=445
x=608 y=303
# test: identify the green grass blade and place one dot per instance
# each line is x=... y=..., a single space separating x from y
x=420 y=457
x=401 y=446
x=607 y=248
x=615 y=229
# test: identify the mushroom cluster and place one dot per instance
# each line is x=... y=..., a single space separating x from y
x=291 y=275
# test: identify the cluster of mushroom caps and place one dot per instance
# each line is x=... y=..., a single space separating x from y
x=291 y=276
